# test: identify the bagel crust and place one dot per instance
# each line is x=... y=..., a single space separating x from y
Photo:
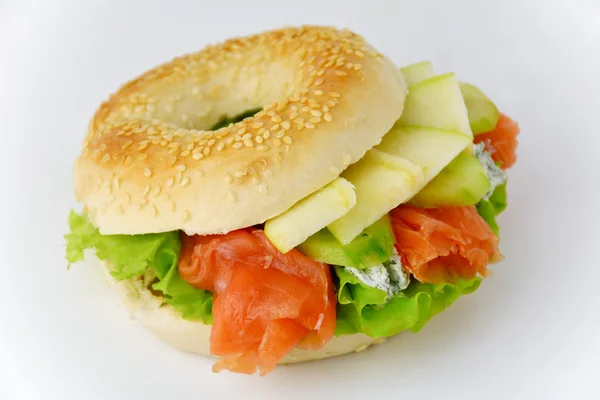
x=149 y=165
x=194 y=337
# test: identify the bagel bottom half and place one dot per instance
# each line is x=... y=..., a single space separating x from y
x=193 y=336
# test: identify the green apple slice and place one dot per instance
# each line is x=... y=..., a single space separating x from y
x=310 y=215
x=417 y=72
x=373 y=246
x=382 y=181
x=483 y=113
x=463 y=182
x=429 y=148
x=437 y=103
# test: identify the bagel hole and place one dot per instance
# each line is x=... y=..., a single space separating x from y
x=226 y=120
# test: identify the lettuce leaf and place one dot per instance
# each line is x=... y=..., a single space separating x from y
x=132 y=255
x=362 y=308
x=489 y=209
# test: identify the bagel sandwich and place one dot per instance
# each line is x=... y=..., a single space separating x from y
x=291 y=195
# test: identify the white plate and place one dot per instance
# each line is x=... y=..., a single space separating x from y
x=531 y=331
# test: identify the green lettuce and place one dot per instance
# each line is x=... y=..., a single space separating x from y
x=489 y=209
x=364 y=309
x=132 y=255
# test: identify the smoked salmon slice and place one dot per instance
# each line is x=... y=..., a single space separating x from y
x=444 y=244
x=502 y=141
x=266 y=302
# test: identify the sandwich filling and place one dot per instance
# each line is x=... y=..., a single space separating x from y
x=395 y=275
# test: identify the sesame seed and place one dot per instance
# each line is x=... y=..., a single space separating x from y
x=278 y=157
x=276 y=142
x=146 y=190
x=237 y=145
x=185 y=181
x=248 y=143
x=287 y=140
x=255 y=179
x=259 y=139
x=178 y=176
x=220 y=146
x=147 y=172
x=206 y=151
x=334 y=94
x=315 y=120
x=126 y=144
x=267 y=134
x=286 y=125
x=180 y=167
x=170 y=182
x=232 y=196
x=328 y=117
x=228 y=178
x=156 y=191
x=197 y=156
x=316 y=113
x=346 y=159
x=142 y=157
x=280 y=134
x=262 y=147
x=309 y=125
x=318 y=92
x=184 y=153
x=105 y=158
x=350 y=123
x=186 y=215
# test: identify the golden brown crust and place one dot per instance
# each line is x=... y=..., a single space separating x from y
x=147 y=165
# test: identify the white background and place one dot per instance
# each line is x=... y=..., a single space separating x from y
x=531 y=332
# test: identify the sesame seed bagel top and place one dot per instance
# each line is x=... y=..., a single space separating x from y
x=147 y=165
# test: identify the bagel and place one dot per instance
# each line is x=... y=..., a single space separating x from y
x=150 y=163
x=167 y=156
